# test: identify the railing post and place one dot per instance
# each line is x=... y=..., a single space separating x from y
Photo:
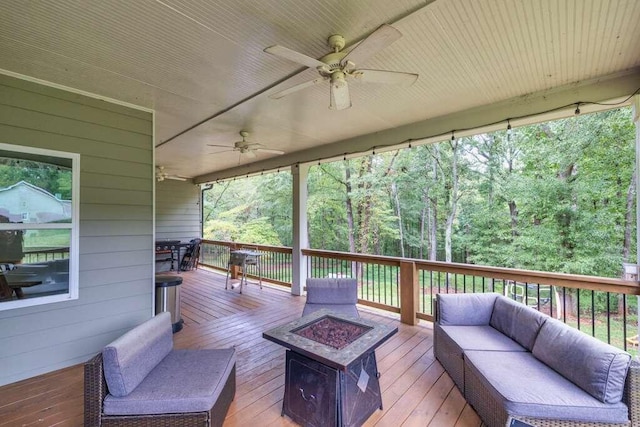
x=408 y=293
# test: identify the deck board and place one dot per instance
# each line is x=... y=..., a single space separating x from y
x=415 y=389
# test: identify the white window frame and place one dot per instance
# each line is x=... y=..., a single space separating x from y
x=74 y=227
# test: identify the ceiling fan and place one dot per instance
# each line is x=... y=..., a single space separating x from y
x=161 y=175
x=246 y=147
x=338 y=66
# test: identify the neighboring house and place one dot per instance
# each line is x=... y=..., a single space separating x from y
x=29 y=203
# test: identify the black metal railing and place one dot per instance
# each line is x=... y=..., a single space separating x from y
x=605 y=308
x=275 y=261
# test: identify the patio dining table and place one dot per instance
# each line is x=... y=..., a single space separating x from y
x=23 y=283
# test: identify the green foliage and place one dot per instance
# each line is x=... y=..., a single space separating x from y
x=550 y=196
x=51 y=178
x=259 y=231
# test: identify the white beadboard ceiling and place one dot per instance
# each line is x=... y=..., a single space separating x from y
x=200 y=64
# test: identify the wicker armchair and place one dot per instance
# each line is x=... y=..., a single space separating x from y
x=95 y=390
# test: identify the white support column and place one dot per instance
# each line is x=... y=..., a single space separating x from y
x=299 y=227
x=636 y=120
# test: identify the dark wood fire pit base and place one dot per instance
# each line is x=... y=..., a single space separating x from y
x=318 y=395
x=331 y=375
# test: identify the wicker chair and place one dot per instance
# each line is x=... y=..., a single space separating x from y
x=95 y=390
x=127 y=384
x=335 y=294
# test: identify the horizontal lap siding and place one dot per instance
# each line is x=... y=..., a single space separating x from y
x=116 y=225
x=177 y=210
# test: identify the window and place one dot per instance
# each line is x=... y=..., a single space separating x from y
x=39 y=222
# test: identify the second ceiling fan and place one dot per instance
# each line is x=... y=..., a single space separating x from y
x=246 y=147
x=338 y=66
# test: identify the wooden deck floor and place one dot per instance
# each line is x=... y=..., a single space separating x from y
x=415 y=390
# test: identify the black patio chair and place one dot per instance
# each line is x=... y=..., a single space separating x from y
x=191 y=255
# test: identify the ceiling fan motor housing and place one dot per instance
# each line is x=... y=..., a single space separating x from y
x=333 y=61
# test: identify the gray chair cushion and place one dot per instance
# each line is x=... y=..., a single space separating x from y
x=598 y=368
x=517 y=321
x=480 y=338
x=332 y=291
x=525 y=386
x=185 y=381
x=129 y=359
x=465 y=309
x=348 y=309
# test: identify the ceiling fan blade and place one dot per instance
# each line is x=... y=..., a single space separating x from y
x=294 y=56
x=298 y=87
x=218 y=145
x=340 y=98
x=383 y=76
x=176 y=178
x=378 y=40
x=269 y=150
x=223 y=151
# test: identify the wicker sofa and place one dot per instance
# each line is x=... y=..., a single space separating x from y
x=512 y=362
x=140 y=380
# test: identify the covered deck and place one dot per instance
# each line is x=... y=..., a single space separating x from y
x=415 y=389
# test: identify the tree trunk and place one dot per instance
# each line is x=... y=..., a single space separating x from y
x=423 y=215
x=513 y=212
x=349 y=203
x=629 y=219
x=453 y=201
x=394 y=193
x=364 y=208
x=433 y=217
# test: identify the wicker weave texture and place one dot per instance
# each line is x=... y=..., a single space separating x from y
x=542 y=422
x=494 y=415
x=95 y=390
x=450 y=356
x=632 y=393
x=489 y=410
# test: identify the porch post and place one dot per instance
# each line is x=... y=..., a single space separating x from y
x=636 y=120
x=299 y=227
x=409 y=296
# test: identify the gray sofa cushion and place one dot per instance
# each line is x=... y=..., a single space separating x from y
x=480 y=338
x=129 y=359
x=517 y=321
x=185 y=381
x=598 y=368
x=465 y=309
x=332 y=291
x=547 y=395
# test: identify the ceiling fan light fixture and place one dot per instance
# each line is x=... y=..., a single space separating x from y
x=340 y=98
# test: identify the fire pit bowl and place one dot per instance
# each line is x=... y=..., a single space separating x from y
x=331 y=331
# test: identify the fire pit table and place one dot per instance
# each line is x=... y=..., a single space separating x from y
x=331 y=374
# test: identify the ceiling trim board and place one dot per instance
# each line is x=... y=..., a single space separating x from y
x=77 y=91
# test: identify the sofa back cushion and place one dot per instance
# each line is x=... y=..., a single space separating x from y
x=332 y=291
x=596 y=367
x=517 y=321
x=129 y=359
x=465 y=309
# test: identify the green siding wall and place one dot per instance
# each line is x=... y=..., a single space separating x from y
x=116 y=225
x=177 y=210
